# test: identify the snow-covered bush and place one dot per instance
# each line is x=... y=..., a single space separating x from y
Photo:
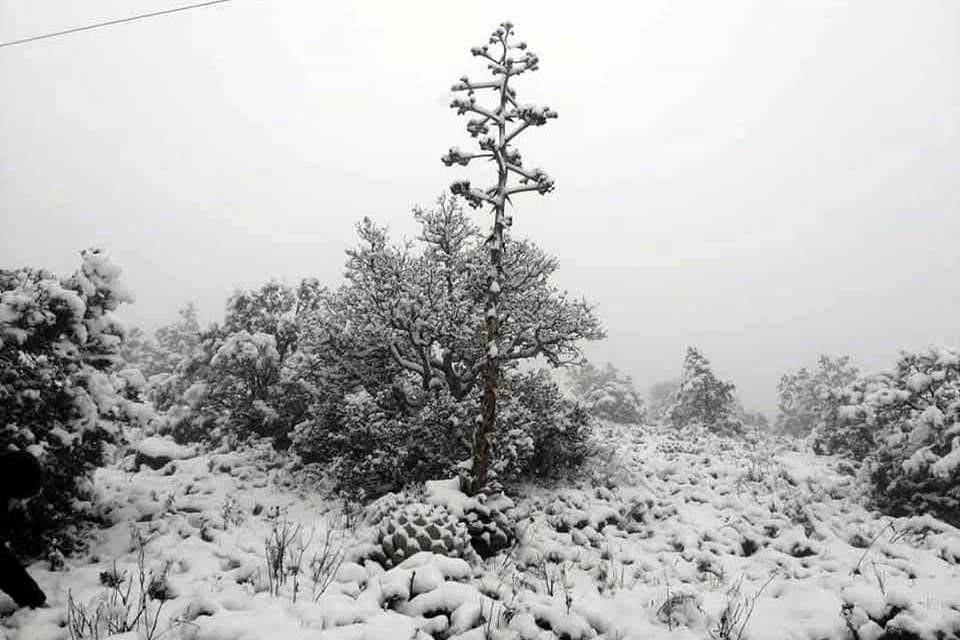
x=803 y=395
x=244 y=371
x=558 y=430
x=374 y=447
x=906 y=423
x=608 y=393
x=378 y=444
x=848 y=424
x=63 y=395
x=244 y=378
x=702 y=398
x=915 y=413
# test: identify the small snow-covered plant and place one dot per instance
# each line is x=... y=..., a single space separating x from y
x=230 y=512
x=737 y=611
x=294 y=563
x=325 y=563
x=679 y=609
x=283 y=537
x=712 y=570
x=494 y=616
x=416 y=527
x=611 y=573
x=127 y=603
x=803 y=395
x=760 y=468
x=702 y=398
x=551 y=574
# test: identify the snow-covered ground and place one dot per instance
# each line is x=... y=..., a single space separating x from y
x=678 y=535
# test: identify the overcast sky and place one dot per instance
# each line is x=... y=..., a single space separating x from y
x=766 y=180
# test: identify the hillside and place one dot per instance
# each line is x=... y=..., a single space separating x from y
x=673 y=535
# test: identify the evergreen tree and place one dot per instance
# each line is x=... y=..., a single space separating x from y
x=702 y=398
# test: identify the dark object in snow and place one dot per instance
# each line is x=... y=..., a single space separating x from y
x=155 y=462
x=748 y=547
x=20 y=475
x=20 y=479
x=491 y=527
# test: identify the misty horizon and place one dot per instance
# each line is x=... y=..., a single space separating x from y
x=764 y=181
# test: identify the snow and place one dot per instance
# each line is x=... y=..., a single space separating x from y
x=157 y=447
x=684 y=535
x=949 y=463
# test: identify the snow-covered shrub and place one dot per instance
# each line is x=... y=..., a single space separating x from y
x=244 y=372
x=803 y=395
x=244 y=378
x=702 y=398
x=906 y=423
x=558 y=430
x=917 y=466
x=608 y=393
x=848 y=425
x=63 y=396
x=376 y=446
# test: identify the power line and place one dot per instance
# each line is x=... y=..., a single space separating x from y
x=108 y=23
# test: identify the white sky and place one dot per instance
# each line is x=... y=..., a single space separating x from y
x=767 y=180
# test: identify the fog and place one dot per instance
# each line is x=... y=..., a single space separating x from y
x=765 y=180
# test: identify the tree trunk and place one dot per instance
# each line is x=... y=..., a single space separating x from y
x=482 y=456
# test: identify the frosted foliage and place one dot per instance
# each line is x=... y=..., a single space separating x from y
x=803 y=395
x=244 y=378
x=62 y=391
x=908 y=422
x=244 y=350
x=425 y=301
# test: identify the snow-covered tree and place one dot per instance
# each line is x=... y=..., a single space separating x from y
x=702 y=398
x=661 y=396
x=804 y=394
x=425 y=304
x=274 y=309
x=407 y=331
x=608 y=393
x=63 y=392
x=496 y=127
